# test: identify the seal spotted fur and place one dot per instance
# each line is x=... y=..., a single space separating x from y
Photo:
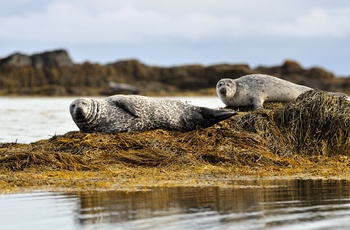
x=255 y=89
x=125 y=113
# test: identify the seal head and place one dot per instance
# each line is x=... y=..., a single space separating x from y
x=226 y=87
x=84 y=111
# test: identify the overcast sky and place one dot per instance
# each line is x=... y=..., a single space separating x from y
x=166 y=33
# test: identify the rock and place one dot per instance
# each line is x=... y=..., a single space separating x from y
x=56 y=58
x=319 y=73
x=291 y=67
x=19 y=71
x=46 y=90
x=16 y=59
x=122 y=88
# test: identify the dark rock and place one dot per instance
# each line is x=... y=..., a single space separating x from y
x=229 y=71
x=16 y=59
x=46 y=90
x=291 y=67
x=34 y=73
x=56 y=58
x=319 y=73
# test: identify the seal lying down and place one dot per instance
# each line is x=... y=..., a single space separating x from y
x=255 y=89
x=122 y=113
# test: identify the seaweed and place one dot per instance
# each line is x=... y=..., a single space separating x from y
x=308 y=137
x=316 y=124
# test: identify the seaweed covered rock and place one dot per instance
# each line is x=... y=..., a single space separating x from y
x=261 y=123
x=308 y=138
x=218 y=145
x=316 y=124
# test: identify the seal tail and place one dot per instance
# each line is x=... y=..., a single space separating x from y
x=213 y=116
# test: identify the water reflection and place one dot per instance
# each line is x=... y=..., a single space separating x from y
x=258 y=204
x=296 y=204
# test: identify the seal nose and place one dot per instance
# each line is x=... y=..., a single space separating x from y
x=223 y=91
x=79 y=113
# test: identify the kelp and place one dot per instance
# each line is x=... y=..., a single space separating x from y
x=158 y=148
x=283 y=139
x=316 y=124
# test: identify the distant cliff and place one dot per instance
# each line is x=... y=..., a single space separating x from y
x=54 y=73
x=57 y=58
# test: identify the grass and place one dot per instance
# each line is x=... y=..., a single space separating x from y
x=308 y=138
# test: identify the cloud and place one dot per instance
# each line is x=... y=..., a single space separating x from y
x=156 y=21
x=318 y=23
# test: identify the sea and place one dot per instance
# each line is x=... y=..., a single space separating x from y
x=254 y=204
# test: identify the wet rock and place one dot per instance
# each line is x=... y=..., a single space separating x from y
x=122 y=88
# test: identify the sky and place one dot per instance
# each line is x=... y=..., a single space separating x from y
x=171 y=33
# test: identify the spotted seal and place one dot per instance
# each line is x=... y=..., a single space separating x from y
x=255 y=89
x=125 y=113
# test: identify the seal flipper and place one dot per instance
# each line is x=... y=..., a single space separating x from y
x=126 y=105
x=257 y=103
x=213 y=116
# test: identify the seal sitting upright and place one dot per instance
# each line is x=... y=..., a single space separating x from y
x=124 y=113
x=255 y=89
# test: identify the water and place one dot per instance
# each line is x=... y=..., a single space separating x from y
x=280 y=204
x=293 y=204
x=26 y=120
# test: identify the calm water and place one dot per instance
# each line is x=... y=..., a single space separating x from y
x=296 y=204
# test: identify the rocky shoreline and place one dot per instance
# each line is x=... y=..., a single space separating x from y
x=308 y=138
x=53 y=73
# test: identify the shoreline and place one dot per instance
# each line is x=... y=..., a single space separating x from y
x=124 y=178
x=283 y=141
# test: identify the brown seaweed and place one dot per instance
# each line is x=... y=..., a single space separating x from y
x=308 y=137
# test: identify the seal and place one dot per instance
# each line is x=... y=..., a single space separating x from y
x=255 y=89
x=125 y=113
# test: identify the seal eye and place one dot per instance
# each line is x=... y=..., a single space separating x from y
x=72 y=106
